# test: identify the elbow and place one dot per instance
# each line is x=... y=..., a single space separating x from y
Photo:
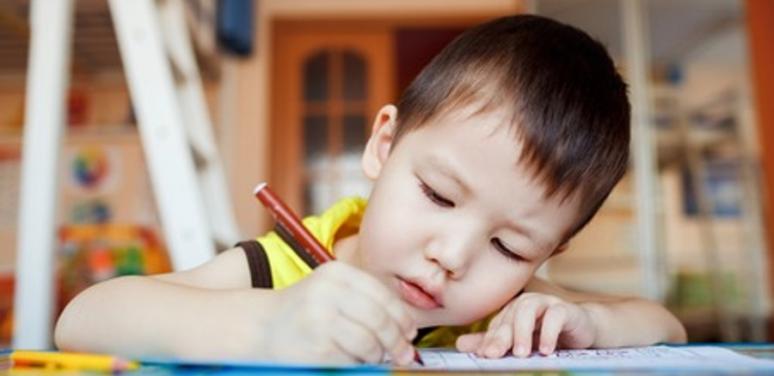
x=64 y=328
x=75 y=323
x=678 y=333
x=674 y=330
x=60 y=335
x=86 y=315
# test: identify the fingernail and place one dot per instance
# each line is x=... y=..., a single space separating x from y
x=545 y=349
x=521 y=350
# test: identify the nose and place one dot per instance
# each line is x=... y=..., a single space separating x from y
x=453 y=252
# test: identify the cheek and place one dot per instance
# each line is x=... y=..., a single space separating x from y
x=389 y=233
x=396 y=218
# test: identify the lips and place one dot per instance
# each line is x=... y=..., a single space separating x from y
x=417 y=296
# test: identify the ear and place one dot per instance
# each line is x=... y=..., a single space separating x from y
x=378 y=147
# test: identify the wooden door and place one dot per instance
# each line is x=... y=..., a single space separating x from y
x=328 y=81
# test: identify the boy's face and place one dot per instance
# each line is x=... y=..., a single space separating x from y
x=454 y=225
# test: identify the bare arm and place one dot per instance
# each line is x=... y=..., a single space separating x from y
x=619 y=321
x=338 y=314
x=193 y=312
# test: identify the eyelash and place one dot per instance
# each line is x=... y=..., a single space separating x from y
x=435 y=197
x=446 y=203
x=500 y=247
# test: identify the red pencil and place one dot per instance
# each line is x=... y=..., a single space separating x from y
x=292 y=224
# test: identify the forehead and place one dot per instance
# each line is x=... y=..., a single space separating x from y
x=481 y=151
x=465 y=140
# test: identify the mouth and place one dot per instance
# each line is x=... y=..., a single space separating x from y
x=417 y=296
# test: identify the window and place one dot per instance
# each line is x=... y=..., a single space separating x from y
x=334 y=119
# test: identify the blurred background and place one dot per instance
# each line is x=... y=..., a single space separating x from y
x=286 y=90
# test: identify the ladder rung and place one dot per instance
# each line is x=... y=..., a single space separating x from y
x=222 y=243
x=177 y=70
x=177 y=40
x=202 y=154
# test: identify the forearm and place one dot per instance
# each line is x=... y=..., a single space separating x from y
x=632 y=322
x=138 y=316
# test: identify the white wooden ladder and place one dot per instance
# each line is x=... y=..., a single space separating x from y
x=175 y=129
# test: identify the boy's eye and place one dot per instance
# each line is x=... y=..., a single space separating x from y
x=435 y=197
x=500 y=247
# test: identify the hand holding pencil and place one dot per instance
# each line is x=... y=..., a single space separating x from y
x=339 y=315
x=342 y=314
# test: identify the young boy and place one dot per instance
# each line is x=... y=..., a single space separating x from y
x=499 y=152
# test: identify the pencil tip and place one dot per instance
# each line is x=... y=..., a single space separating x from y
x=418 y=358
x=258 y=187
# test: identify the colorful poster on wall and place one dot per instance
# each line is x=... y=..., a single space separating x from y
x=93 y=168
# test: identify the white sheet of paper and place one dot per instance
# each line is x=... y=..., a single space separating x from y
x=651 y=357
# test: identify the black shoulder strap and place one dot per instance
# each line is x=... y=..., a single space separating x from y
x=258 y=262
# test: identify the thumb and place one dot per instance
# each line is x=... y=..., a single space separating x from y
x=469 y=342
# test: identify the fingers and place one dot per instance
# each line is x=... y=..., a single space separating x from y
x=514 y=328
x=499 y=336
x=374 y=308
x=357 y=341
x=529 y=311
x=381 y=325
x=553 y=322
x=532 y=320
x=469 y=342
x=369 y=286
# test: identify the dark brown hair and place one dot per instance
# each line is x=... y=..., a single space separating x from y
x=568 y=103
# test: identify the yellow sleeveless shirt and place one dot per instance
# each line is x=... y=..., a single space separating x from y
x=339 y=221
